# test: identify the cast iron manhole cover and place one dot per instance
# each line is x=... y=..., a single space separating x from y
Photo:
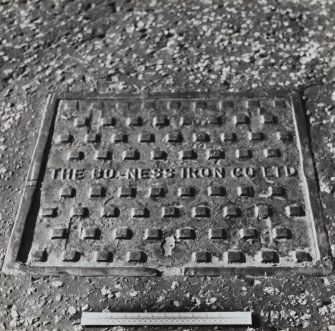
x=175 y=184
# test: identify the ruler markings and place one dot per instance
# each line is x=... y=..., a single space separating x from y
x=171 y=318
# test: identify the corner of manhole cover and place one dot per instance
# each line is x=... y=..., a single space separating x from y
x=195 y=184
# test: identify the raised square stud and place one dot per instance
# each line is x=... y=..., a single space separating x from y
x=58 y=233
x=294 y=211
x=92 y=137
x=302 y=256
x=276 y=191
x=136 y=256
x=281 y=233
x=156 y=191
x=268 y=119
x=240 y=119
x=159 y=121
x=64 y=138
x=186 y=121
x=243 y=154
x=185 y=233
x=187 y=191
x=158 y=155
x=252 y=103
x=215 y=154
x=271 y=152
x=235 y=256
x=119 y=138
x=126 y=192
x=78 y=211
x=170 y=212
x=200 y=137
x=70 y=255
x=200 y=211
x=263 y=211
x=284 y=135
x=97 y=191
x=201 y=257
x=231 y=211
x=107 y=121
x=130 y=155
x=103 y=155
x=248 y=233
x=67 y=192
x=122 y=233
x=90 y=233
x=109 y=211
x=216 y=191
x=39 y=255
x=75 y=156
x=146 y=137
x=81 y=121
x=174 y=137
x=269 y=256
x=49 y=212
x=245 y=191
x=139 y=212
x=103 y=256
x=153 y=234
x=228 y=136
x=255 y=136
x=214 y=120
x=217 y=233
x=134 y=121
x=187 y=155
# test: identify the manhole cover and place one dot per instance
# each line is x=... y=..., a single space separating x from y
x=175 y=184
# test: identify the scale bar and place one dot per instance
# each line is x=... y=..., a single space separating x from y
x=180 y=318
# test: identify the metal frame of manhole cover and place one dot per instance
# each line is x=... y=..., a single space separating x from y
x=172 y=184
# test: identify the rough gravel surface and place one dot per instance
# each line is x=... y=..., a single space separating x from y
x=150 y=46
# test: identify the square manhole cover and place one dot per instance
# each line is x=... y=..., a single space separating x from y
x=174 y=184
